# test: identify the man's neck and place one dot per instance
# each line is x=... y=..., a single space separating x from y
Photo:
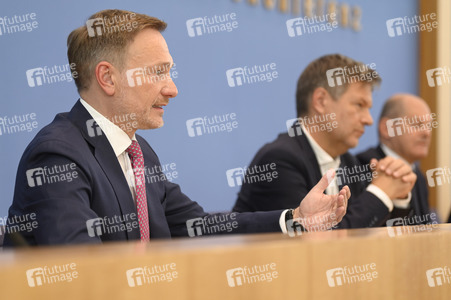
x=387 y=147
x=104 y=111
x=323 y=141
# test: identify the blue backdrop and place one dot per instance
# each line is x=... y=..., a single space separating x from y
x=259 y=37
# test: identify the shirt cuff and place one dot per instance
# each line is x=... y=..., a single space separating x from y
x=381 y=195
x=283 y=225
x=403 y=203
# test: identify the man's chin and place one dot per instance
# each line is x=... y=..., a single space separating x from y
x=154 y=124
x=352 y=144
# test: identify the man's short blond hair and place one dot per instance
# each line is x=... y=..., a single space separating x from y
x=86 y=51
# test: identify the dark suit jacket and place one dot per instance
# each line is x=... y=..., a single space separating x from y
x=298 y=172
x=100 y=190
x=419 y=204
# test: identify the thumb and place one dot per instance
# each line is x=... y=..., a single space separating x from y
x=373 y=164
x=325 y=180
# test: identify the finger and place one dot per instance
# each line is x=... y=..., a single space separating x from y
x=346 y=192
x=383 y=163
x=340 y=211
x=394 y=165
x=348 y=195
x=342 y=194
x=397 y=165
x=324 y=182
x=404 y=170
x=373 y=164
x=341 y=200
x=411 y=178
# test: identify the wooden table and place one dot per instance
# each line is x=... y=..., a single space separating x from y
x=341 y=264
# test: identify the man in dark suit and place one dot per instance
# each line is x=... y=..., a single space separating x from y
x=404 y=128
x=84 y=177
x=332 y=113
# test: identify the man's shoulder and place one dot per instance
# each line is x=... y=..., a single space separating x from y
x=365 y=156
x=145 y=146
x=61 y=131
x=281 y=147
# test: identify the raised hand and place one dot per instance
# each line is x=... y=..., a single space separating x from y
x=320 y=211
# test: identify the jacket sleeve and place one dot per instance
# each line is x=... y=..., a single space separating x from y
x=59 y=202
x=187 y=218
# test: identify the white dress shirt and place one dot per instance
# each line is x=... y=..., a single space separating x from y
x=119 y=141
x=326 y=162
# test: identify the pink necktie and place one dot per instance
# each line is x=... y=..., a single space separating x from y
x=137 y=159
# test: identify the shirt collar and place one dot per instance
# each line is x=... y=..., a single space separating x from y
x=390 y=152
x=118 y=139
x=321 y=155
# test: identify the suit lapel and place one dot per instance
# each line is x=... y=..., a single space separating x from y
x=107 y=160
x=417 y=201
x=380 y=152
x=310 y=158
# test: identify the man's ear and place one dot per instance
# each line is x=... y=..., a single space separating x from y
x=320 y=96
x=105 y=76
x=382 y=128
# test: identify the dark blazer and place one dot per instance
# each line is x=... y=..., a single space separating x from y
x=298 y=172
x=419 y=204
x=100 y=190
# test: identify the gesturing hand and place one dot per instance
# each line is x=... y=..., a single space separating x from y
x=318 y=210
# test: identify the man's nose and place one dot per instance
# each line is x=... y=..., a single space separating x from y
x=170 y=89
x=367 y=118
x=426 y=132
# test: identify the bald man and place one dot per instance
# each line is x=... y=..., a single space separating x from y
x=405 y=132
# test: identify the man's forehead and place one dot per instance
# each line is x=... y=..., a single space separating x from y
x=359 y=91
x=417 y=109
x=149 y=47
